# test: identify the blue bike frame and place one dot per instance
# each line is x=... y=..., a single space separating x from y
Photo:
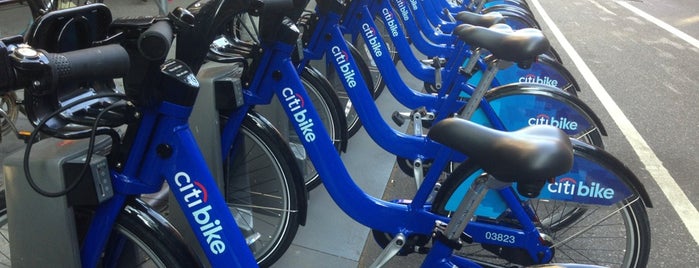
x=164 y=149
x=504 y=113
x=413 y=218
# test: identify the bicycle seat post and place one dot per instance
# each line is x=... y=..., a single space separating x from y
x=471 y=63
x=494 y=65
x=450 y=234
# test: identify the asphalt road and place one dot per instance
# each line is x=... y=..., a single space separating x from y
x=651 y=75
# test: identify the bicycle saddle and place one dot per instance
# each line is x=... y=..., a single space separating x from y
x=517 y=46
x=483 y=20
x=528 y=155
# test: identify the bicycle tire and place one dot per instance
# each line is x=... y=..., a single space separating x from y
x=263 y=187
x=156 y=239
x=630 y=221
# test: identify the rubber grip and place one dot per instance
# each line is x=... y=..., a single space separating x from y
x=155 y=42
x=103 y=62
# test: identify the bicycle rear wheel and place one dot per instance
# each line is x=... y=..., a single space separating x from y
x=616 y=236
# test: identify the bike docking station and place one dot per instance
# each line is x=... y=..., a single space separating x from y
x=43 y=203
x=35 y=217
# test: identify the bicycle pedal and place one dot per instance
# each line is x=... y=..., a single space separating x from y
x=399 y=118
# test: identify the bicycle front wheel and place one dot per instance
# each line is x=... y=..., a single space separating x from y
x=134 y=243
x=263 y=188
x=616 y=236
x=138 y=244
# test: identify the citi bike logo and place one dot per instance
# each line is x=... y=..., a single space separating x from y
x=370 y=34
x=297 y=106
x=392 y=25
x=347 y=72
x=413 y=3
x=562 y=122
x=196 y=195
x=530 y=78
x=403 y=9
x=568 y=186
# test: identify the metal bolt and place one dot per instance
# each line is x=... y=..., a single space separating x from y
x=164 y=150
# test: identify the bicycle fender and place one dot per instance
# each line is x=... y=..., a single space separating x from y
x=559 y=67
x=596 y=178
x=522 y=104
x=139 y=211
x=613 y=165
x=301 y=192
x=544 y=71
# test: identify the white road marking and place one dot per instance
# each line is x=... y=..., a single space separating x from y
x=679 y=201
x=691 y=40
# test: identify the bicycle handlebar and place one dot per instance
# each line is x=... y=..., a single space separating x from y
x=155 y=42
x=95 y=63
x=22 y=66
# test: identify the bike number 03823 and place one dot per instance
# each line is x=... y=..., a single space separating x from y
x=500 y=237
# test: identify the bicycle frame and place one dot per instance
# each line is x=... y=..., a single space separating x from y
x=408 y=219
x=332 y=45
x=544 y=71
x=164 y=149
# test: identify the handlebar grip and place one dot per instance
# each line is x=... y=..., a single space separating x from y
x=155 y=42
x=103 y=62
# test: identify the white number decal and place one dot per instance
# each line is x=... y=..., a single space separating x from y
x=500 y=237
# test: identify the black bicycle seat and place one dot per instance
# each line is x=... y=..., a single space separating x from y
x=483 y=20
x=528 y=155
x=522 y=45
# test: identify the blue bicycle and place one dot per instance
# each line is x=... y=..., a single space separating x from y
x=170 y=145
x=370 y=211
